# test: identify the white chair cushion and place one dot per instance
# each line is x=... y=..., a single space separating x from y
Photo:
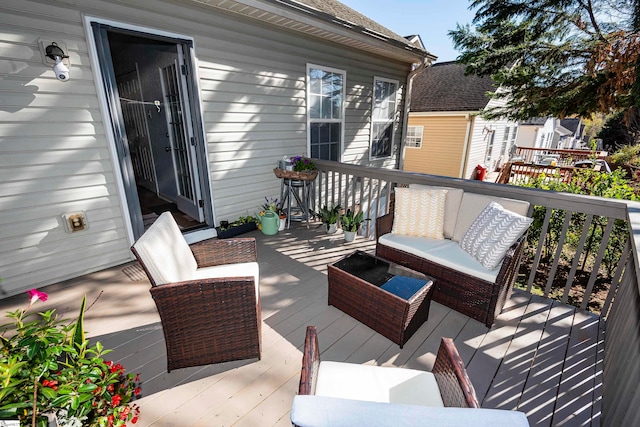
x=451 y=206
x=319 y=411
x=377 y=384
x=472 y=204
x=493 y=233
x=165 y=253
x=241 y=269
x=444 y=252
x=419 y=212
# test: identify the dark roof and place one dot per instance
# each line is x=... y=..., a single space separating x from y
x=444 y=87
x=570 y=124
x=536 y=121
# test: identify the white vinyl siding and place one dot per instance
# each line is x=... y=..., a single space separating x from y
x=55 y=156
x=414 y=136
x=383 y=117
x=325 y=100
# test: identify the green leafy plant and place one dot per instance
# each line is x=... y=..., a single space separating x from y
x=240 y=221
x=352 y=221
x=302 y=163
x=329 y=215
x=48 y=368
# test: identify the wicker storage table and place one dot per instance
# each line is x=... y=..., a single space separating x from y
x=355 y=288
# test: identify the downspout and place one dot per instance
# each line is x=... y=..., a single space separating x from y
x=407 y=106
x=467 y=143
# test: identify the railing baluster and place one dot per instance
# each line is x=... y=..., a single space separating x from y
x=596 y=268
x=554 y=267
x=615 y=282
x=576 y=258
x=536 y=261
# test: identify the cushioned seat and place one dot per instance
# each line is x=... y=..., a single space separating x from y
x=444 y=252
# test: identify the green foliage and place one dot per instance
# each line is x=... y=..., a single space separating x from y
x=552 y=58
x=588 y=182
x=329 y=215
x=48 y=367
x=627 y=154
x=621 y=130
x=352 y=221
x=302 y=163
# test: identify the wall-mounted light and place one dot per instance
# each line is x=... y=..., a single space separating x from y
x=54 y=52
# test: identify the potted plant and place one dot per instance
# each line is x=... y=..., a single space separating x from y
x=330 y=217
x=242 y=225
x=51 y=375
x=351 y=223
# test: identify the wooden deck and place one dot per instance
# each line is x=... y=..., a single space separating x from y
x=541 y=357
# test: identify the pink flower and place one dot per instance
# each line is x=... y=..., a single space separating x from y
x=37 y=295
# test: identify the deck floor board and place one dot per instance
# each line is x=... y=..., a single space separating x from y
x=541 y=357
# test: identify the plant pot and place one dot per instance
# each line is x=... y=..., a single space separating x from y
x=331 y=228
x=235 y=230
x=350 y=236
x=283 y=223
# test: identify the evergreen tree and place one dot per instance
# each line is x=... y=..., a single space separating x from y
x=555 y=57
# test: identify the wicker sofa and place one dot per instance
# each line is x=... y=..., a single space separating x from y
x=461 y=282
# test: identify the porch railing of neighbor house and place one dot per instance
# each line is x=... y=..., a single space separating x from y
x=564 y=241
x=564 y=157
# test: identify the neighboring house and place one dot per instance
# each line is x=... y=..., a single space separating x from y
x=184 y=105
x=550 y=132
x=446 y=134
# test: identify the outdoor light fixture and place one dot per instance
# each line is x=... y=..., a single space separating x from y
x=54 y=52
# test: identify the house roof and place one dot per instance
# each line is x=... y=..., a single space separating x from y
x=536 y=121
x=329 y=20
x=445 y=87
x=571 y=124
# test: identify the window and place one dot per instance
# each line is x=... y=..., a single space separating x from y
x=383 y=117
x=325 y=100
x=505 y=140
x=414 y=136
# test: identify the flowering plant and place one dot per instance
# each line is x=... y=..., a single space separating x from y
x=302 y=163
x=48 y=369
x=272 y=205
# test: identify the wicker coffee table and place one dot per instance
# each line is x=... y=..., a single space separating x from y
x=390 y=299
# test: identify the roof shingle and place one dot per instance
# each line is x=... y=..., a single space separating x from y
x=445 y=87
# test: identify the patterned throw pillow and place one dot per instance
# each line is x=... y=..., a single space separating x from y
x=419 y=212
x=492 y=234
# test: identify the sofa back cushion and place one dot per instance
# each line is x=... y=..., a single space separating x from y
x=472 y=204
x=419 y=212
x=451 y=206
x=165 y=253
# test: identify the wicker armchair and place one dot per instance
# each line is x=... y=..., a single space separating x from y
x=469 y=295
x=206 y=294
x=453 y=383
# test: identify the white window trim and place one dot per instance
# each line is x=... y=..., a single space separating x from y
x=342 y=112
x=418 y=147
x=373 y=103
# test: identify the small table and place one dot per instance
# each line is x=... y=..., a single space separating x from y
x=390 y=299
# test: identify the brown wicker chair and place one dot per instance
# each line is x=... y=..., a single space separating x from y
x=206 y=317
x=469 y=295
x=450 y=374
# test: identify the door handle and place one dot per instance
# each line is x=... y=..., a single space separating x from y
x=167 y=149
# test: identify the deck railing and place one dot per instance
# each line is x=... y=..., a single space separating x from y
x=566 y=217
x=564 y=157
x=369 y=189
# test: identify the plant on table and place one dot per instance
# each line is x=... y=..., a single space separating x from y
x=302 y=163
x=48 y=369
